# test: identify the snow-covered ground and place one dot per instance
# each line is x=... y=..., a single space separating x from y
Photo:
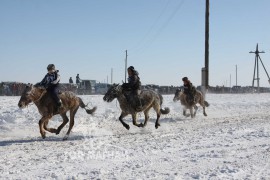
x=232 y=142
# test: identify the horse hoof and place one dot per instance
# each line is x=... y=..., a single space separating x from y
x=127 y=127
x=43 y=136
x=141 y=125
x=65 y=138
x=157 y=125
x=58 y=131
x=204 y=114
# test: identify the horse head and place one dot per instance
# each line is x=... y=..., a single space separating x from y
x=112 y=93
x=25 y=97
x=177 y=95
x=31 y=93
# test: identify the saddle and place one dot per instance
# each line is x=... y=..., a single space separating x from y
x=190 y=98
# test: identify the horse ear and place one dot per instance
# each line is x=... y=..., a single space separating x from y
x=28 y=85
x=117 y=86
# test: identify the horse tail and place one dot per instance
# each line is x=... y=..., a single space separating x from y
x=206 y=104
x=165 y=110
x=82 y=105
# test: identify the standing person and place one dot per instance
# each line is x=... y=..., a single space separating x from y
x=133 y=87
x=70 y=80
x=51 y=83
x=78 y=80
x=189 y=89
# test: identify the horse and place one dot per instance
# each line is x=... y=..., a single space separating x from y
x=48 y=108
x=149 y=99
x=180 y=95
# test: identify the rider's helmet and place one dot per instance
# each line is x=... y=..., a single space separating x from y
x=184 y=79
x=131 y=68
x=50 y=67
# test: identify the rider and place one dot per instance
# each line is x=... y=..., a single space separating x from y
x=133 y=87
x=51 y=83
x=189 y=89
x=78 y=81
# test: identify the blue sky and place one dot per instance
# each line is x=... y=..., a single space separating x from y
x=164 y=39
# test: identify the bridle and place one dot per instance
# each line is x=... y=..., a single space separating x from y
x=35 y=101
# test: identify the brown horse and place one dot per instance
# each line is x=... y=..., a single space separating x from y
x=179 y=95
x=149 y=99
x=47 y=107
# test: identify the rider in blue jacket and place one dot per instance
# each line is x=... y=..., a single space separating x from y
x=51 y=83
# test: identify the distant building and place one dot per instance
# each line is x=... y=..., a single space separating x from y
x=151 y=86
x=87 y=87
x=101 y=88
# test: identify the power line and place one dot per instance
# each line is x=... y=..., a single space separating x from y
x=143 y=47
x=152 y=26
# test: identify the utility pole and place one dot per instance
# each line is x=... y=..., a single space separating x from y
x=111 y=75
x=126 y=67
x=256 y=66
x=236 y=74
x=205 y=70
x=207 y=43
x=230 y=83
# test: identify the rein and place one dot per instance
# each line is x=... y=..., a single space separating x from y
x=39 y=96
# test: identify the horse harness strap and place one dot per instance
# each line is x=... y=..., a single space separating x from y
x=40 y=96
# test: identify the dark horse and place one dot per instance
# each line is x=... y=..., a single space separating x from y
x=47 y=107
x=149 y=99
x=180 y=95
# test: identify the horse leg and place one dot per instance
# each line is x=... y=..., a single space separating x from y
x=41 y=126
x=65 y=121
x=71 y=123
x=204 y=113
x=191 y=112
x=157 y=121
x=185 y=113
x=134 y=120
x=51 y=130
x=196 y=108
x=157 y=109
x=146 y=117
x=121 y=120
x=203 y=105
